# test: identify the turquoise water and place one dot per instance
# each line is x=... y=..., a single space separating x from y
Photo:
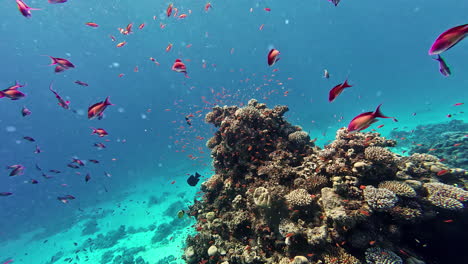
x=380 y=46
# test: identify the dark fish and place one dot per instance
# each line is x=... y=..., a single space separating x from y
x=64 y=104
x=193 y=180
x=30 y=139
x=66 y=198
x=17 y=170
x=33 y=181
x=87 y=177
x=188 y=121
x=443 y=67
x=81 y=83
x=107 y=174
x=25 y=112
x=79 y=162
x=5 y=193
x=55 y=171
x=94 y=161
x=73 y=166
x=335 y=2
x=100 y=145
x=38 y=168
x=38 y=150
x=46 y=176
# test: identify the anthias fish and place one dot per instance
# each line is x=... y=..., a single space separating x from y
x=335 y=91
x=443 y=67
x=64 y=104
x=366 y=119
x=272 y=57
x=448 y=39
x=179 y=66
x=24 y=9
x=97 y=109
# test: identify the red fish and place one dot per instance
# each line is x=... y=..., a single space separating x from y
x=61 y=64
x=99 y=131
x=24 y=9
x=457 y=104
x=272 y=57
x=79 y=162
x=97 y=109
x=335 y=91
x=141 y=26
x=81 y=83
x=179 y=66
x=443 y=67
x=12 y=92
x=208 y=6
x=364 y=120
x=92 y=24
x=25 y=112
x=169 y=10
x=448 y=39
x=64 y=104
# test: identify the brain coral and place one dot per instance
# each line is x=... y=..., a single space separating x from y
x=379 y=199
x=378 y=255
x=378 y=154
x=399 y=188
x=299 y=197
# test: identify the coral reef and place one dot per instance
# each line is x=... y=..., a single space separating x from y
x=447 y=141
x=275 y=197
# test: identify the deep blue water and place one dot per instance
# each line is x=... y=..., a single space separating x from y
x=380 y=45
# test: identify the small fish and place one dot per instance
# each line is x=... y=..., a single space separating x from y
x=62 y=64
x=208 y=6
x=25 y=111
x=79 y=162
x=448 y=39
x=33 y=181
x=54 y=171
x=66 y=198
x=30 y=139
x=169 y=10
x=335 y=2
x=180 y=214
x=193 y=179
x=87 y=177
x=24 y=9
x=267 y=9
x=443 y=172
x=100 y=145
x=100 y=132
x=6 y=194
x=337 y=90
x=179 y=66
x=81 y=83
x=38 y=150
x=17 y=170
x=272 y=57
x=457 y=104
x=64 y=104
x=73 y=166
x=38 y=168
x=108 y=175
x=141 y=26
x=97 y=109
x=57 y=1
x=364 y=120
x=92 y=24
x=188 y=121
x=443 y=67
x=121 y=44
x=94 y=161
x=169 y=47
x=12 y=92
x=326 y=74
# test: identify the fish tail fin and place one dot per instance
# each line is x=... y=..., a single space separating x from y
x=346 y=84
x=378 y=113
x=107 y=102
x=2 y=94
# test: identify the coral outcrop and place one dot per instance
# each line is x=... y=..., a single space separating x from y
x=275 y=197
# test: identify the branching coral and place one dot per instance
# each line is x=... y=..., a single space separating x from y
x=379 y=199
x=378 y=255
x=299 y=197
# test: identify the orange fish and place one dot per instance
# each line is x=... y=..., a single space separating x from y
x=169 y=10
x=261 y=27
x=97 y=109
x=335 y=91
x=272 y=57
x=364 y=120
x=169 y=47
x=448 y=39
x=179 y=66
x=121 y=44
x=442 y=172
x=61 y=64
x=141 y=26
x=12 y=92
x=99 y=131
x=92 y=24
x=182 y=16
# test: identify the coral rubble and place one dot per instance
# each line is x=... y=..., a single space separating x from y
x=275 y=197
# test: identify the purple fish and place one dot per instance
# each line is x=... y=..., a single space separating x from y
x=5 y=194
x=57 y=1
x=17 y=170
x=443 y=67
x=335 y=2
x=64 y=104
x=30 y=139
x=25 y=112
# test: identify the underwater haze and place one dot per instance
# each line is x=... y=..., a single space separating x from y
x=82 y=181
